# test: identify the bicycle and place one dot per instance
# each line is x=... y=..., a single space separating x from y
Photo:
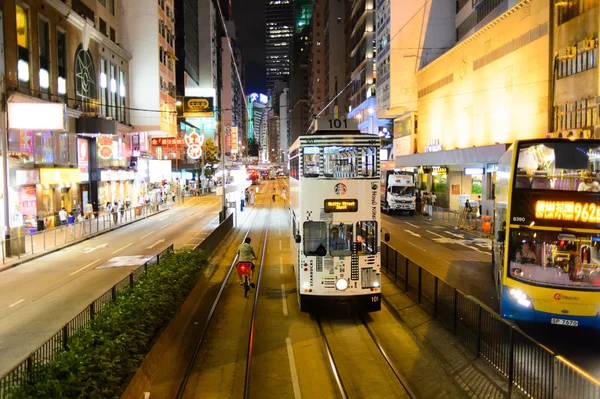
x=244 y=268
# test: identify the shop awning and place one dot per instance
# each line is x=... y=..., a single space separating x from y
x=474 y=155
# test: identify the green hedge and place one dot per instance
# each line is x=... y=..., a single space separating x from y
x=101 y=357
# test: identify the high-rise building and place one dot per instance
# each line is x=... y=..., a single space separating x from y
x=284 y=125
x=257 y=123
x=360 y=50
x=335 y=51
x=279 y=19
x=316 y=60
x=299 y=98
x=473 y=15
x=148 y=34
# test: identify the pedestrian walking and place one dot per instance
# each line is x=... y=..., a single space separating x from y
x=89 y=210
x=122 y=210
x=274 y=195
x=70 y=222
x=127 y=202
x=62 y=216
x=252 y=197
x=81 y=222
x=115 y=210
x=283 y=196
x=242 y=201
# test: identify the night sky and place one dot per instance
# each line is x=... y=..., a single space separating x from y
x=249 y=16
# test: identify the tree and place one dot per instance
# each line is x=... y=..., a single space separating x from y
x=210 y=157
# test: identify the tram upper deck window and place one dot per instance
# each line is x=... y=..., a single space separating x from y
x=312 y=157
x=340 y=162
x=566 y=166
x=552 y=259
x=366 y=237
x=315 y=238
x=369 y=161
x=340 y=239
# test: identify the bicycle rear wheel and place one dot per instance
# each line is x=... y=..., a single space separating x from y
x=246 y=286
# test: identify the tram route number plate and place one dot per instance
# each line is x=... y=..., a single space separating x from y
x=563 y=322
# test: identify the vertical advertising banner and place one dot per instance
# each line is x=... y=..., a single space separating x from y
x=83 y=158
x=234 y=140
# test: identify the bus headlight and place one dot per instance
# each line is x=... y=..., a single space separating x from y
x=341 y=284
x=521 y=298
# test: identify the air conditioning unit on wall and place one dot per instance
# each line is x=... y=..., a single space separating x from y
x=567 y=52
x=586 y=45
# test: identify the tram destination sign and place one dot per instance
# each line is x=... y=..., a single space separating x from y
x=557 y=209
x=337 y=205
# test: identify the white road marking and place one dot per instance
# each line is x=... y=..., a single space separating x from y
x=414 y=234
x=415 y=245
x=166 y=225
x=16 y=303
x=284 y=299
x=92 y=249
x=161 y=219
x=280 y=265
x=177 y=220
x=155 y=244
x=122 y=248
x=149 y=234
x=280 y=245
x=413 y=225
x=86 y=266
x=455 y=235
x=295 y=383
x=435 y=234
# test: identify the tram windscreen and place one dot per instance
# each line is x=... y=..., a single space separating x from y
x=554 y=259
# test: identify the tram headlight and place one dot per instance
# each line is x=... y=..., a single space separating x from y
x=521 y=298
x=341 y=284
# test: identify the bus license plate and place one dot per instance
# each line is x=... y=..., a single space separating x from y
x=563 y=322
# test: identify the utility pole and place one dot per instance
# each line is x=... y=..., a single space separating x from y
x=5 y=173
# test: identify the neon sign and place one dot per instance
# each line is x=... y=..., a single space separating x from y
x=194 y=143
x=586 y=212
x=262 y=98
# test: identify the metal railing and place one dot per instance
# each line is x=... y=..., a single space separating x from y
x=28 y=370
x=30 y=244
x=526 y=364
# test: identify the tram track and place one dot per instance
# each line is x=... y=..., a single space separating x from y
x=360 y=322
x=207 y=323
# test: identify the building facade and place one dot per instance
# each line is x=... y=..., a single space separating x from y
x=67 y=91
x=489 y=90
x=279 y=20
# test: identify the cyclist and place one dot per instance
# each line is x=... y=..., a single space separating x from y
x=246 y=254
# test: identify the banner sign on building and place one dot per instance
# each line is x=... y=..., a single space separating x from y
x=196 y=107
x=105 y=147
x=194 y=142
x=171 y=141
x=234 y=140
x=59 y=175
x=83 y=158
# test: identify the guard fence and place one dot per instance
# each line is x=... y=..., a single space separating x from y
x=29 y=369
x=28 y=244
x=527 y=365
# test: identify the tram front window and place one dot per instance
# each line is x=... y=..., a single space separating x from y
x=554 y=259
x=340 y=239
x=315 y=238
x=311 y=161
x=366 y=237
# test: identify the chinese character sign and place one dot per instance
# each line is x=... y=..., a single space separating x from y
x=234 y=140
x=194 y=143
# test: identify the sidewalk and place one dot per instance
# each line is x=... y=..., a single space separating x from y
x=473 y=374
x=31 y=246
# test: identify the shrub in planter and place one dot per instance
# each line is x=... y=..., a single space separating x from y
x=101 y=356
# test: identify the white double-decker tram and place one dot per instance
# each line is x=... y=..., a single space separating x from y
x=335 y=212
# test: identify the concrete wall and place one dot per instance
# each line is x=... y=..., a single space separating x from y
x=420 y=31
x=492 y=87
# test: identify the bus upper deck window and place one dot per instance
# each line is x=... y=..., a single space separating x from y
x=312 y=157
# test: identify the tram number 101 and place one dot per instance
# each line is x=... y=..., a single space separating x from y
x=338 y=123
